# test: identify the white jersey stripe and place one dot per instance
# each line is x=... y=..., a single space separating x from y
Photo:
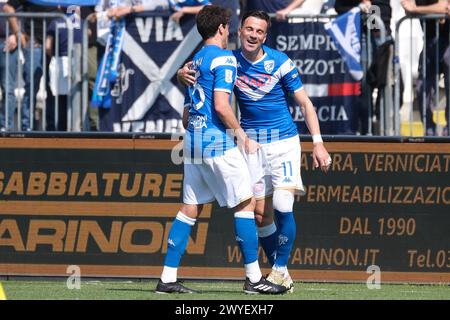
x=244 y=214
x=259 y=93
x=286 y=67
x=220 y=89
x=223 y=61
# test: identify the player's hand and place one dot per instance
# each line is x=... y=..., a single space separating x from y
x=245 y=143
x=251 y=146
x=321 y=157
x=185 y=75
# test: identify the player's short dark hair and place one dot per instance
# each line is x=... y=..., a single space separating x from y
x=210 y=18
x=257 y=14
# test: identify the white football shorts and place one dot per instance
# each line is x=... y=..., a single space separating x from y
x=224 y=178
x=276 y=165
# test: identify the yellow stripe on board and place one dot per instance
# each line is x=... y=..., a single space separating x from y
x=2 y=293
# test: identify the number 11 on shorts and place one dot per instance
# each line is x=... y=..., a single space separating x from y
x=285 y=168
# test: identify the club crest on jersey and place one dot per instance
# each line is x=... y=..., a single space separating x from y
x=269 y=65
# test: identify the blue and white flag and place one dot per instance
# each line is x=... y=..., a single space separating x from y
x=345 y=31
x=65 y=3
x=108 y=72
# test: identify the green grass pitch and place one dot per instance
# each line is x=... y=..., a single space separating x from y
x=214 y=290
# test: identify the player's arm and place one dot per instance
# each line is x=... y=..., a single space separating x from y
x=291 y=82
x=224 y=78
x=226 y=115
x=320 y=154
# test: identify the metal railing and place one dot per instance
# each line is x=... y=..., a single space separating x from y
x=423 y=105
x=19 y=81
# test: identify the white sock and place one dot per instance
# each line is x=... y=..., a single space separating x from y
x=281 y=269
x=169 y=274
x=253 y=272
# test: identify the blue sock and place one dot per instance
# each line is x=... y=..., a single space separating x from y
x=286 y=236
x=178 y=239
x=246 y=235
x=268 y=238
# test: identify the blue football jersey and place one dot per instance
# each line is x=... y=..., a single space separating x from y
x=178 y=4
x=215 y=71
x=261 y=90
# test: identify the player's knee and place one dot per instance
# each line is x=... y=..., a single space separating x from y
x=191 y=210
x=283 y=200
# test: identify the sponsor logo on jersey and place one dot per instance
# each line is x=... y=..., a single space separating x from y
x=256 y=80
x=198 y=122
x=230 y=61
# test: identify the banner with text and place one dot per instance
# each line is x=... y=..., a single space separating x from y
x=146 y=98
x=106 y=205
x=325 y=75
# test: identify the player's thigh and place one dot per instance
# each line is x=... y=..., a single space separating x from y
x=229 y=178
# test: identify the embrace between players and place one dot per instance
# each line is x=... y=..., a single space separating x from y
x=253 y=166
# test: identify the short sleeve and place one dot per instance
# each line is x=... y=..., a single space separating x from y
x=224 y=69
x=290 y=76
